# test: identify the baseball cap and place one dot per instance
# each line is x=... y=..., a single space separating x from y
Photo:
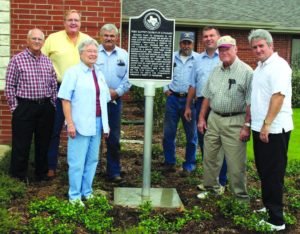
x=187 y=36
x=226 y=41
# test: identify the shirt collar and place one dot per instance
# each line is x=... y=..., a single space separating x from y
x=216 y=54
x=232 y=66
x=84 y=67
x=192 y=55
x=68 y=38
x=101 y=49
x=269 y=60
x=31 y=54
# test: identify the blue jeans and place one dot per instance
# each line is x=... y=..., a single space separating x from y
x=223 y=172
x=55 y=138
x=83 y=153
x=175 y=108
x=113 y=167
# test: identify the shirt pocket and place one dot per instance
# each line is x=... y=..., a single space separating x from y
x=121 y=68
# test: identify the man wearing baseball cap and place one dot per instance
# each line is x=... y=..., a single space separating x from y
x=227 y=93
x=176 y=93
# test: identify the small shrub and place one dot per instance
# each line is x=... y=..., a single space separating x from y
x=8 y=222
x=193 y=180
x=293 y=168
x=296 y=87
x=230 y=207
x=137 y=95
x=250 y=222
x=290 y=219
x=157 y=150
x=157 y=177
x=10 y=189
x=254 y=193
x=61 y=214
x=294 y=202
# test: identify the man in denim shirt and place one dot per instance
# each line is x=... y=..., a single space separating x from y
x=176 y=93
x=113 y=62
x=204 y=65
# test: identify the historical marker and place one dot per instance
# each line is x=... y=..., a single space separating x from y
x=151 y=45
x=151 y=39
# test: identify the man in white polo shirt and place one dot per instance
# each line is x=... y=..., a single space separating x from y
x=271 y=123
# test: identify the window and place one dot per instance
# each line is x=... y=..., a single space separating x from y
x=296 y=52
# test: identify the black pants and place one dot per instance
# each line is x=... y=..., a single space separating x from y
x=271 y=161
x=28 y=119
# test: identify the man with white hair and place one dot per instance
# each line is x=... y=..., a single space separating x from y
x=271 y=123
x=31 y=94
x=113 y=62
x=227 y=93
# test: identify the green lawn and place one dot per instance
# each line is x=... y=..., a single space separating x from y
x=294 y=146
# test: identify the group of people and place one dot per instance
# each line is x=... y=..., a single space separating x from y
x=67 y=80
x=226 y=99
x=70 y=80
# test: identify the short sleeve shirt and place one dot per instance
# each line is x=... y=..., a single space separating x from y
x=272 y=76
x=229 y=89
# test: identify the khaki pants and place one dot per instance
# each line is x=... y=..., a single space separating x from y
x=224 y=132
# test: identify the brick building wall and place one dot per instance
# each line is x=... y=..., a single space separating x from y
x=48 y=16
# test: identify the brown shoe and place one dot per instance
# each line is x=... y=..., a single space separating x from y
x=51 y=173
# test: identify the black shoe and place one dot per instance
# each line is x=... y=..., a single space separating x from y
x=40 y=178
x=185 y=173
x=115 y=179
x=169 y=167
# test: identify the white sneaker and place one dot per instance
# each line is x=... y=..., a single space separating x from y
x=91 y=196
x=220 y=192
x=201 y=187
x=272 y=226
x=264 y=209
x=203 y=195
x=77 y=202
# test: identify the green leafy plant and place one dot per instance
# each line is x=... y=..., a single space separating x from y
x=137 y=95
x=10 y=189
x=154 y=223
x=254 y=193
x=8 y=222
x=157 y=150
x=250 y=222
x=296 y=85
x=157 y=177
x=193 y=180
x=294 y=202
x=61 y=214
x=290 y=219
x=293 y=168
x=230 y=207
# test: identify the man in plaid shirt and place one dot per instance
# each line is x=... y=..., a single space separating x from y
x=31 y=94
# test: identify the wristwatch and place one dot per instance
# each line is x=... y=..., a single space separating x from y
x=266 y=122
x=247 y=124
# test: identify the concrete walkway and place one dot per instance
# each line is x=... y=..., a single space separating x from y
x=4 y=149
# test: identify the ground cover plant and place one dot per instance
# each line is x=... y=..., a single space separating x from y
x=43 y=207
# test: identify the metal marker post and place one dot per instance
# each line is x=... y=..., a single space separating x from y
x=151 y=45
x=149 y=93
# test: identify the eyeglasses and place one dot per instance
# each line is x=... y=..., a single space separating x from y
x=36 y=39
x=73 y=20
x=91 y=51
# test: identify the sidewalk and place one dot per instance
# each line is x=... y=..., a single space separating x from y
x=4 y=149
